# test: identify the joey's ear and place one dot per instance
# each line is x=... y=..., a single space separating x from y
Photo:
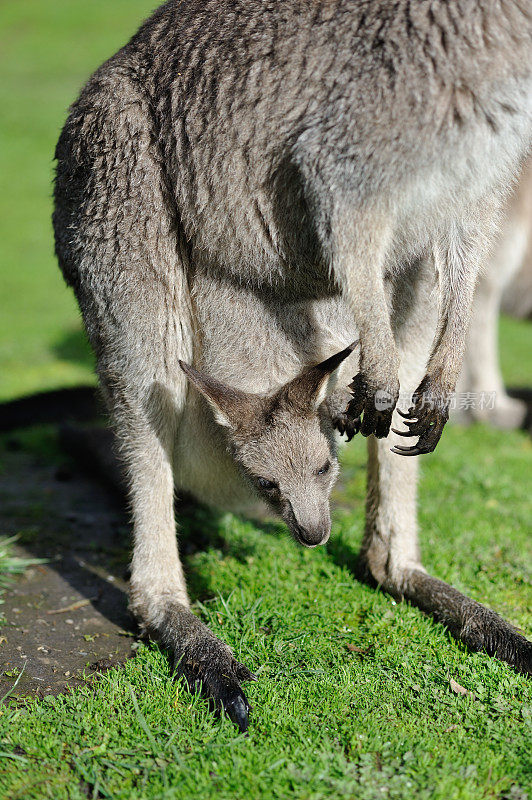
x=311 y=387
x=232 y=408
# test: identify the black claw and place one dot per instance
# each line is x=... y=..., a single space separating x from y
x=219 y=683
x=346 y=426
x=423 y=419
x=365 y=413
x=404 y=433
x=404 y=414
x=206 y=665
x=238 y=712
x=407 y=451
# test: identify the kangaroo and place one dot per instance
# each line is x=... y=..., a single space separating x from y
x=244 y=190
x=507 y=279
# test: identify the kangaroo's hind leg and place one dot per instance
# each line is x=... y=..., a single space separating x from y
x=481 y=372
x=390 y=554
x=146 y=414
x=118 y=243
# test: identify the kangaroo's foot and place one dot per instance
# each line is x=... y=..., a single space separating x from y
x=207 y=664
x=507 y=413
x=425 y=418
x=478 y=627
x=371 y=408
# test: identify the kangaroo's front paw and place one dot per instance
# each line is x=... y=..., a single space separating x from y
x=370 y=411
x=425 y=418
x=209 y=668
x=343 y=423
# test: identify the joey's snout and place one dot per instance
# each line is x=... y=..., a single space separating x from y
x=309 y=526
x=312 y=536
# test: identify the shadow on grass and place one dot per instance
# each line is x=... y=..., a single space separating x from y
x=344 y=555
x=60 y=514
x=74 y=346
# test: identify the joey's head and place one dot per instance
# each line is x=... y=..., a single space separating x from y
x=283 y=444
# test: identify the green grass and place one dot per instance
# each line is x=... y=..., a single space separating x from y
x=376 y=721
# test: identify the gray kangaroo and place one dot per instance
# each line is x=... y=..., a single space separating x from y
x=506 y=279
x=244 y=190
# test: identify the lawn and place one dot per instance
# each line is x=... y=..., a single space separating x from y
x=354 y=696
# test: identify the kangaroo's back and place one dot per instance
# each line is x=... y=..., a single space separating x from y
x=259 y=108
x=263 y=108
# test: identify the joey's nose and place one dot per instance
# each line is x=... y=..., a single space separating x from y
x=313 y=535
x=309 y=520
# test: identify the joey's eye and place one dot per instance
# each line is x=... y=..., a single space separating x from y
x=265 y=484
x=326 y=467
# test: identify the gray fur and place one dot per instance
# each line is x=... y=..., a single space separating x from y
x=247 y=186
x=507 y=281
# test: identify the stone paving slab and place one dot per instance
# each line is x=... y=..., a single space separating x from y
x=69 y=614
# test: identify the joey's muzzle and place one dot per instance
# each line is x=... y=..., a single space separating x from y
x=312 y=537
x=309 y=526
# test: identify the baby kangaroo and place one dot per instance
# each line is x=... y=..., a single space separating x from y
x=242 y=191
